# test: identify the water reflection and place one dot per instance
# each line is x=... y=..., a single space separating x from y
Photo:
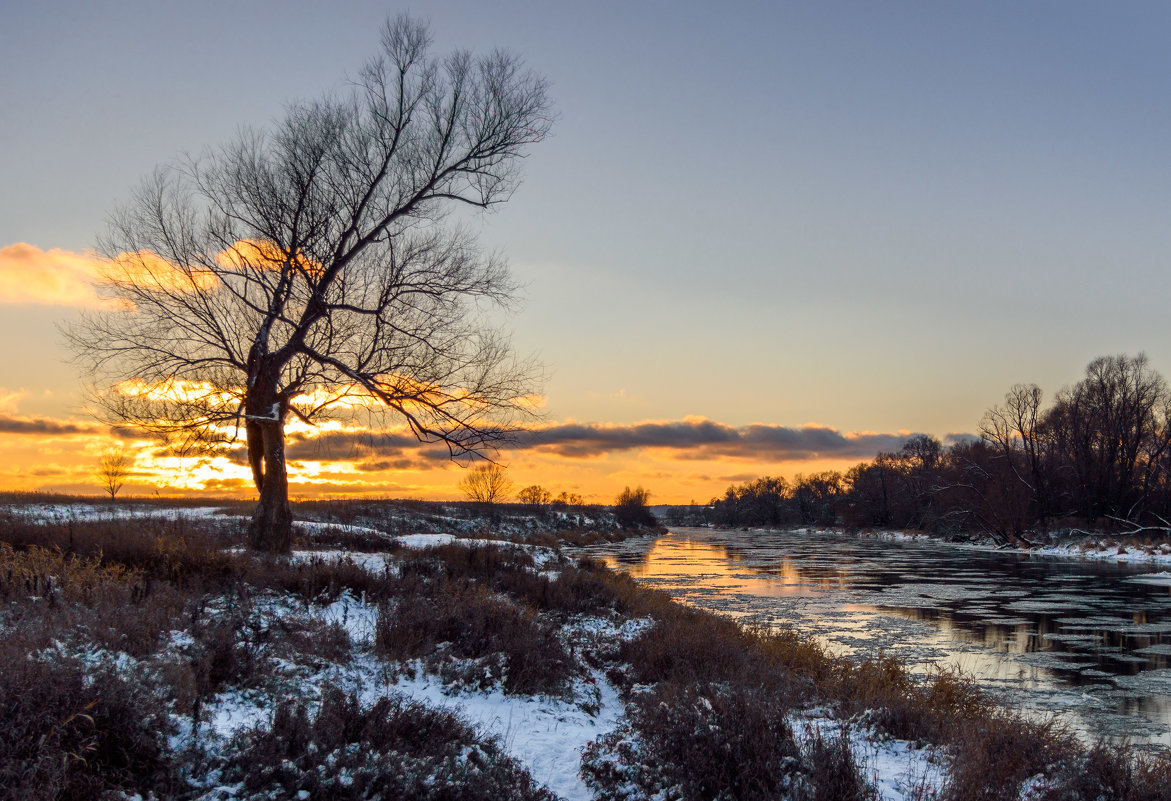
x=1045 y=634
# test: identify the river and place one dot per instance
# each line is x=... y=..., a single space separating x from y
x=1089 y=641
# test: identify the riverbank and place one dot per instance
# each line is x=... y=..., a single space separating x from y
x=165 y=661
x=1104 y=546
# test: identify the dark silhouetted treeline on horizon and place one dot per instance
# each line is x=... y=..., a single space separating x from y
x=1098 y=456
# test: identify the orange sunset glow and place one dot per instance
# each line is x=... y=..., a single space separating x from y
x=802 y=277
x=691 y=459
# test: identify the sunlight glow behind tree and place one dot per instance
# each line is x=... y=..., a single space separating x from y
x=296 y=271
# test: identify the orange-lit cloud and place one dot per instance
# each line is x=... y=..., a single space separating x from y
x=678 y=461
x=150 y=271
x=14 y=424
x=9 y=399
x=692 y=438
x=698 y=438
x=55 y=277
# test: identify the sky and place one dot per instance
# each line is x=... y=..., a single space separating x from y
x=763 y=238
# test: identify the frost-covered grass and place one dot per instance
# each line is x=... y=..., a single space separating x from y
x=157 y=658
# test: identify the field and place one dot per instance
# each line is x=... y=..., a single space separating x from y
x=418 y=651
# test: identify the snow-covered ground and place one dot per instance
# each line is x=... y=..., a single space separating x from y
x=51 y=513
x=546 y=735
x=899 y=770
x=1103 y=547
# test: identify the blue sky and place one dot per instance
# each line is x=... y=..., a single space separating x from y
x=872 y=216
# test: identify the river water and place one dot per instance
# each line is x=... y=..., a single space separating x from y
x=1089 y=641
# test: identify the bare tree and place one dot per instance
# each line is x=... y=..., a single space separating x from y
x=1105 y=427
x=307 y=271
x=631 y=508
x=1016 y=430
x=112 y=468
x=567 y=499
x=535 y=495
x=486 y=484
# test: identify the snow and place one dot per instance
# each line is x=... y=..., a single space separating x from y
x=357 y=617
x=235 y=711
x=541 y=554
x=429 y=540
x=373 y=562
x=899 y=770
x=1158 y=579
x=47 y=513
x=1115 y=553
x=546 y=735
x=1100 y=548
x=312 y=526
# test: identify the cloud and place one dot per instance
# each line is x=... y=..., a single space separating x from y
x=59 y=277
x=708 y=439
x=11 y=424
x=52 y=277
x=9 y=400
x=345 y=446
x=692 y=439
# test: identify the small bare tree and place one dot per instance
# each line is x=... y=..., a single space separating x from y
x=487 y=483
x=307 y=272
x=535 y=495
x=567 y=499
x=112 y=468
x=631 y=508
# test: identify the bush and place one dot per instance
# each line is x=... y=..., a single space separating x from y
x=396 y=749
x=69 y=736
x=832 y=773
x=475 y=625
x=702 y=742
x=1110 y=774
x=631 y=508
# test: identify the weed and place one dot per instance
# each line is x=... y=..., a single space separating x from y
x=475 y=625
x=67 y=735
x=696 y=742
x=832 y=773
x=396 y=749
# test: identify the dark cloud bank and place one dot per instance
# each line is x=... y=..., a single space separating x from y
x=704 y=439
x=687 y=439
x=10 y=424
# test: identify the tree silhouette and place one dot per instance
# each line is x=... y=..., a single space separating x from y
x=112 y=469
x=308 y=271
x=486 y=484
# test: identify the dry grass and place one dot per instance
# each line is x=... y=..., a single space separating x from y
x=395 y=749
x=71 y=733
x=832 y=773
x=161 y=549
x=719 y=692
x=1109 y=773
x=506 y=640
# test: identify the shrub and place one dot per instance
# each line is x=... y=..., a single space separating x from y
x=396 y=749
x=475 y=625
x=696 y=743
x=992 y=755
x=1111 y=774
x=59 y=577
x=832 y=773
x=66 y=736
x=631 y=508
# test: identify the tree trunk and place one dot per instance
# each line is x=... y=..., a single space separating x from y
x=271 y=528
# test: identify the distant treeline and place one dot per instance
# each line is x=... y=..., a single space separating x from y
x=1098 y=456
